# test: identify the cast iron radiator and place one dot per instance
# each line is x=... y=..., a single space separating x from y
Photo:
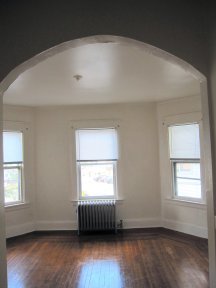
x=96 y=215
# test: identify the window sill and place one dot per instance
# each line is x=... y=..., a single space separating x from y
x=185 y=203
x=118 y=201
x=19 y=206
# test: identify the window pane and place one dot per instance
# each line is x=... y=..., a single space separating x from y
x=188 y=170
x=188 y=183
x=97 y=180
x=12 y=184
x=188 y=188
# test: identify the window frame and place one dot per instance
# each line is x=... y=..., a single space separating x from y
x=174 y=195
x=77 y=124
x=19 y=164
x=25 y=129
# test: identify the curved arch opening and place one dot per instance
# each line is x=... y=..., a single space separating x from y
x=151 y=51
x=12 y=76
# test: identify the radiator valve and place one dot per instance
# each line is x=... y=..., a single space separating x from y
x=120 y=224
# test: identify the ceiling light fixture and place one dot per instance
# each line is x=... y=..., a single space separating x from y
x=77 y=77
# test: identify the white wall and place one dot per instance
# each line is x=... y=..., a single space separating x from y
x=211 y=190
x=139 y=171
x=50 y=185
x=176 y=215
x=3 y=265
x=20 y=219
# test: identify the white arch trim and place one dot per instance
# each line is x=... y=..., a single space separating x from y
x=14 y=74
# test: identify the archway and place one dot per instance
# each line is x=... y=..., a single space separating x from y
x=159 y=53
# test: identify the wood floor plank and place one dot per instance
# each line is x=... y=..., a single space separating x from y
x=148 y=258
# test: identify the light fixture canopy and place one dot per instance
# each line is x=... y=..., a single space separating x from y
x=77 y=77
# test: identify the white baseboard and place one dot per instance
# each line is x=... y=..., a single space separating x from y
x=55 y=225
x=191 y=229
x=141 y=223
x=72 y=225
x=16 y=230
x=186 y=228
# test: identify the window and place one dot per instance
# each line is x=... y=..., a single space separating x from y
x=96 y=155
x=13 y=167
x=184 y=144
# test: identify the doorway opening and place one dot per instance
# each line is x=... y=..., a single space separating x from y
x=93 y=76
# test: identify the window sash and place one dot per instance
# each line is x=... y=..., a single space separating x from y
x=79 y=176
x=96 y=161
x=175 y=178
x=20 y=195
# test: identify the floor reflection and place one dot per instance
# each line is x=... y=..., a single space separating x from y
x=100 y=273
x=15 y=280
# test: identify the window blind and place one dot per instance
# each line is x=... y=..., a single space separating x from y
x=184 y=141
x=12 y=147
x=96 y=144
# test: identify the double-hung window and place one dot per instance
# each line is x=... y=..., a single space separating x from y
x=96 y=158
x=13 y=167
x=184 y=144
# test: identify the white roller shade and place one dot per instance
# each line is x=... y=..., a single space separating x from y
x=96 y=144
x=184 y=141
x=12 y=147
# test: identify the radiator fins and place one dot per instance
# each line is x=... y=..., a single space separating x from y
x=97 y=215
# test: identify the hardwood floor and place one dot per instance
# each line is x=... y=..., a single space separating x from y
x=155 y=258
